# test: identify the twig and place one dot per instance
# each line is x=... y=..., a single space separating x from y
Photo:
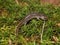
x=49 y=42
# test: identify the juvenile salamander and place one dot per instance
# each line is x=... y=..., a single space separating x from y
x=29 y=17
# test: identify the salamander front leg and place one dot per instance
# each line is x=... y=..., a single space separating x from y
x=38 y=18
x=25 y=23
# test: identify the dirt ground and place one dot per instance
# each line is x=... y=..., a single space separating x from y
x=54 y=2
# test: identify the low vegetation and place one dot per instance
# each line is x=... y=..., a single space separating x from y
x=11 y=12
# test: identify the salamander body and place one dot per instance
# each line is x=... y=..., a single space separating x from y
x=29 y=17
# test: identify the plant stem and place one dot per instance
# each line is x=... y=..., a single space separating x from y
x=42 y=31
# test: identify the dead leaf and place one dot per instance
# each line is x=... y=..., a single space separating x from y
x=58 y=24
x=10 y=42
x=55 y=39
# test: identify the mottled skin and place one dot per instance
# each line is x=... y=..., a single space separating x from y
x=29 y=17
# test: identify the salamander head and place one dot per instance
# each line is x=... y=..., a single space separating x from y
x=40 y=16
x=43 y=17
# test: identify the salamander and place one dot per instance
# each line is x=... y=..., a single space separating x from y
x=29 y=17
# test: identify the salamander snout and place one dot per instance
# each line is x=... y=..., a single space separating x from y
x=44 y=17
